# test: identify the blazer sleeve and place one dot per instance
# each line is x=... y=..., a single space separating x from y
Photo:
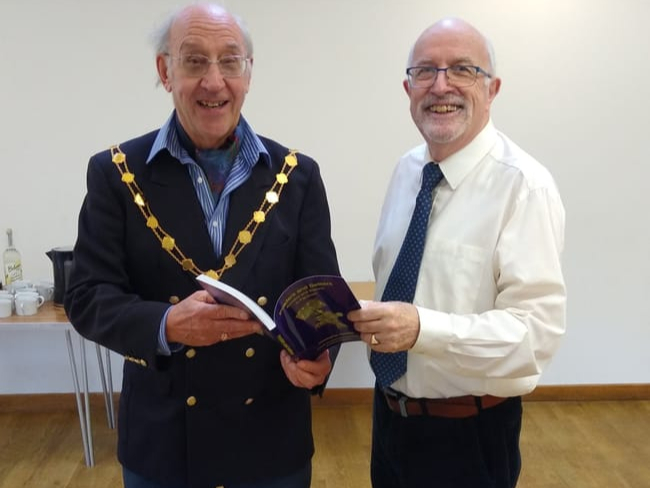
x=317 y=254
x=99 y=301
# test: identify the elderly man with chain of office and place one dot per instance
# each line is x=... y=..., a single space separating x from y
x=472 y=293
x=206 y=400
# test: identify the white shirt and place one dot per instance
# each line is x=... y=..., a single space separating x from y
x=490 y=294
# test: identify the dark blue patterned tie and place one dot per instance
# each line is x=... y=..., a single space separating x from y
x=403 y=278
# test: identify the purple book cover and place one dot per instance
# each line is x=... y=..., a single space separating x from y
x=311 y=315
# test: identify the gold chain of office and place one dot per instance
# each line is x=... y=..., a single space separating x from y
x=245 y=236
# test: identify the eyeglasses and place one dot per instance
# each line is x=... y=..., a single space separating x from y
x=197 y=65
x=458 y=75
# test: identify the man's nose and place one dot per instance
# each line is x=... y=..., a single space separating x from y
x=213 y=79
x=441 y=83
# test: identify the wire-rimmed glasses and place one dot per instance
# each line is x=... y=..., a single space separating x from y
x=197 y=65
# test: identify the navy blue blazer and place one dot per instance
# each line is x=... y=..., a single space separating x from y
x=246 y=422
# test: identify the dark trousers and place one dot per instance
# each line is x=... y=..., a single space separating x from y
x=435 y=452
x=300 y=479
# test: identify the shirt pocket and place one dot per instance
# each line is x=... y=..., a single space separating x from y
x=451 y=276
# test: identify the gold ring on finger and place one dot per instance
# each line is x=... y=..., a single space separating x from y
x=225 y=336
x=373 y=340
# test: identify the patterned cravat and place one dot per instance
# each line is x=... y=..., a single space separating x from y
x=403 y=278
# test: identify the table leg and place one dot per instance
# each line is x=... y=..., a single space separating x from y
x=108 y=392
x=110 y=387
x=88 y=453
x=89 y=427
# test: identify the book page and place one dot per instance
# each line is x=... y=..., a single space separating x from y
x=228 y=295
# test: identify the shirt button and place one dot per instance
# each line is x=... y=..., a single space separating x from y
x=249 y=401
x=190 y=353
x=215 y=223
x=261 y=301
x=191 y=401
x=199 y=180
x=250 y=352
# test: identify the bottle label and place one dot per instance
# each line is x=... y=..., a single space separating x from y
x=13 y=272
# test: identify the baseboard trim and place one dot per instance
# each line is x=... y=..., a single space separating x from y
x=48 y=402
x=555 y=393
x=340 y=397
x=583 y=393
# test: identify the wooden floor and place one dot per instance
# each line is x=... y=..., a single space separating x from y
x=564 y=445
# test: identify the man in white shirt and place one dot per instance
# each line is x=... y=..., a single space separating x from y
x=488 y=308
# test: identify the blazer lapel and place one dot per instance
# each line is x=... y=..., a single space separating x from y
x=243 y=202
x=168 y=189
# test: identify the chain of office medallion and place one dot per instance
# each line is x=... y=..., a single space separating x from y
x=245 y=235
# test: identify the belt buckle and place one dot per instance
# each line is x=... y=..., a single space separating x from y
x=401 y=400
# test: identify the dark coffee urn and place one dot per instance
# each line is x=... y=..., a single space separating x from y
x=61 y=258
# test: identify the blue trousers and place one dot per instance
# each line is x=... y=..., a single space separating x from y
x=300 y=479
x=425 y=452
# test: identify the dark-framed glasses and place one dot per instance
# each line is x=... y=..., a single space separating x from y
x=458 y=75
x=197 y=65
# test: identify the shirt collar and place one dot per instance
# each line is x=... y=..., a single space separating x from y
x=251 y=149
x=459 y=164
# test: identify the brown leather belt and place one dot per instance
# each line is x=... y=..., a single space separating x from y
x=456 y=407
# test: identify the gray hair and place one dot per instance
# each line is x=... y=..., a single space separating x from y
x=160 y=36
x=492 y=59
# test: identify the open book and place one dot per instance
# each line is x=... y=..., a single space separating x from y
x=309 y=316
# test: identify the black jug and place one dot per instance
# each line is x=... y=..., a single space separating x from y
x=61 y=258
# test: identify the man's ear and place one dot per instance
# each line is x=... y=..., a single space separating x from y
x=407 y=87
x=495 y=86
x=163 y=71
x=249 y=74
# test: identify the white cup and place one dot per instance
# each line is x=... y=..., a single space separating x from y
x=46 y=290
x=27 y=303
x=6 y=307
x=7 y=295
x=30 y=292
x=21 y=285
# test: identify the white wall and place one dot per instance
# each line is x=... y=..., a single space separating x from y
x=78 y=76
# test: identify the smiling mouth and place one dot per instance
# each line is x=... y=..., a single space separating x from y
x=212 y=104
x=444 y=109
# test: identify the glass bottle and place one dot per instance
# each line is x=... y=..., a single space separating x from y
x=13 y=269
